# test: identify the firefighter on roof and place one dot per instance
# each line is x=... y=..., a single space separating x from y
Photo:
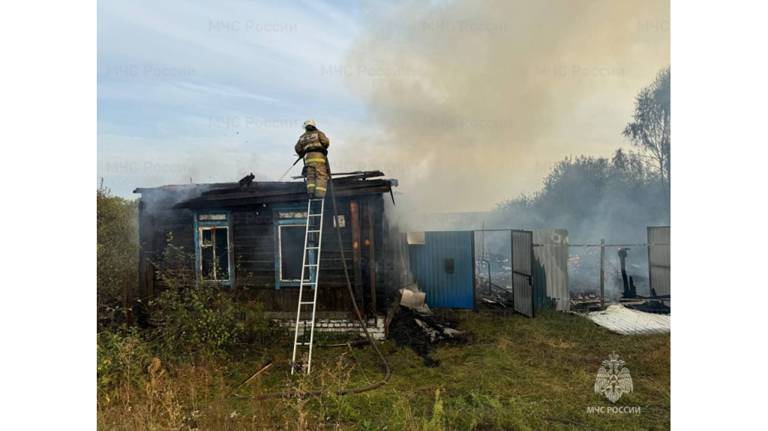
x=313 y=147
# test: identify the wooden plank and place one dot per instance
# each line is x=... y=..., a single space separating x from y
x=238 y=198
x=370 y=243
x=289 y=189
x=602 y=273
x=354 y=215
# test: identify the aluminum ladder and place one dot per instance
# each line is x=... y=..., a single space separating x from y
x=310 y=263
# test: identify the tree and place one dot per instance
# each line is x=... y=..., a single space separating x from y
x=593 y=197
x=650 y=125
x=117 y=248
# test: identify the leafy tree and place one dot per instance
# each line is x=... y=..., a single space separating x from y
x=650 y=125
x=116 y=248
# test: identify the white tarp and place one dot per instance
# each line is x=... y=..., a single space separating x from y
x=626 y=321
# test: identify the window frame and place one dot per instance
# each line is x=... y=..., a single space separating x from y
x=289 y=215
x=284 y=281
x=213 y=220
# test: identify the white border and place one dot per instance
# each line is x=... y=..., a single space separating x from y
x=719 y=181
x=48 y=318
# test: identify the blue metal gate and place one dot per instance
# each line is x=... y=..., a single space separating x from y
x=444 y=268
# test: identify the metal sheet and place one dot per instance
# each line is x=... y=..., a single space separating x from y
x=444 y=268
x=523 y=294
x=522 y=274
x=625 y=321
x=550 y=266
x=659 y=259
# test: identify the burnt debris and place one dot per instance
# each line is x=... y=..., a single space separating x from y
x=247 y=180
x=651 y=306
x=423 y=331
x=494 y=297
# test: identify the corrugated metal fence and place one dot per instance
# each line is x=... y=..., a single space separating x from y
x=659 y=259
x=443 y=265
x=522 y=285
x=550 y=267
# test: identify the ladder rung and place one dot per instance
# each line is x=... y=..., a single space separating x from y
x=312 y=211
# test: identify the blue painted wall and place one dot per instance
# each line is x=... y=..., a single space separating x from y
x=428 y=266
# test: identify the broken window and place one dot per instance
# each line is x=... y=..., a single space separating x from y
x=213 y=247
x=291 y=249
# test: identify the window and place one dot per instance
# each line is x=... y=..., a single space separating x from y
x=290 y=229
x=213 y=249
x=291 y=248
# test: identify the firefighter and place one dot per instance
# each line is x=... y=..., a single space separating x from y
x=313 y=147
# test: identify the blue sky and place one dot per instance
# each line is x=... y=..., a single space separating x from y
x=214 y=90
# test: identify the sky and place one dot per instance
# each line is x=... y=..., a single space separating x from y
x=466 y=103
x=214 y=90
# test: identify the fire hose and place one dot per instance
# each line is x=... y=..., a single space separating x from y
x=384 y=363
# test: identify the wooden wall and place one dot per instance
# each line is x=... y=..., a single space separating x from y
x=254 y=247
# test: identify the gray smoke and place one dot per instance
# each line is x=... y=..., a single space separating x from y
x=474 y=101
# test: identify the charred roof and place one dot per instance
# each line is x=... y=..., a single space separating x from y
x=248 y=192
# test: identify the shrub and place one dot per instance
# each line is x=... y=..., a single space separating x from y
x=116 y=251
x=121 y=357
x=206 y=322
x=196 y=322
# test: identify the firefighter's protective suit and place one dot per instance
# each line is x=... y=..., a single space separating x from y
x=313 y=147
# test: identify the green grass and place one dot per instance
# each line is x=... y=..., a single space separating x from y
x=516 y=373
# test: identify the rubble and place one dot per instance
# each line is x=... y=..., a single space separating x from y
x=414 y=299
x=421 y=331
x=494 y=296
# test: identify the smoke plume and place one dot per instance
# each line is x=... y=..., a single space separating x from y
x=474 y=101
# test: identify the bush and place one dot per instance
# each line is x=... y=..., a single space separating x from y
x=121 y=357
x=194 y=322
x=205 y=322
x=117 y=250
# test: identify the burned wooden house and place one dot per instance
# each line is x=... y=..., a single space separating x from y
x=248 y=237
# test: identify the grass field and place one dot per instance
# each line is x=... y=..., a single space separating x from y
x=515 y=373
